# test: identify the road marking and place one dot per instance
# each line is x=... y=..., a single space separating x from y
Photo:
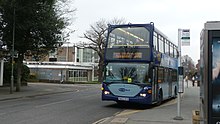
x=116 y=118
x=102 y=121
x=128 y=112
x=119 y=120
x=53 y=103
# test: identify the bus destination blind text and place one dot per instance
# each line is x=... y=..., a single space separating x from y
x=127 y=55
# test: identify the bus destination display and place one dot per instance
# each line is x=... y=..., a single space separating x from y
x=127 y=55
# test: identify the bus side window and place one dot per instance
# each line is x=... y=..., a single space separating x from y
x=155 y=41
x=160 y=75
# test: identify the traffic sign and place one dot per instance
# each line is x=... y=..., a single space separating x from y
x=185 y=37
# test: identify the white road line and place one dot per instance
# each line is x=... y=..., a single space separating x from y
x=102 y=121
x=53 y=103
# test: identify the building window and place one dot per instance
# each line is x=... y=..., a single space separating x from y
x=78 y=75
x=87 y=55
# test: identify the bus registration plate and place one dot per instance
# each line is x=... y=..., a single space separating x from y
x=123 y=99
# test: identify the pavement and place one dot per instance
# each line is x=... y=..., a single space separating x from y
x=163 y=114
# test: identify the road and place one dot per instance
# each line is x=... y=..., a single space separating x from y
x=82 y=106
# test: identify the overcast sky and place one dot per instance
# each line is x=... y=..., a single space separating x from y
x=168 y=16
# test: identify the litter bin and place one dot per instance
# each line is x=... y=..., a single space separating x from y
x=195 y=117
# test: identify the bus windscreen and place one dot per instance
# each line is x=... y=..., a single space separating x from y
x=127 y=72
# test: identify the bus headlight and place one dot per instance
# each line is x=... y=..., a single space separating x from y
x=102 y=88
x=143 y=94
x=106 y=92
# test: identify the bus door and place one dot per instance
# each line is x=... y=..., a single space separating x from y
x=166 y=84
x=154 y=85
x=170 y=82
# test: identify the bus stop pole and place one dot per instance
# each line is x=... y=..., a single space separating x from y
x=180 y=81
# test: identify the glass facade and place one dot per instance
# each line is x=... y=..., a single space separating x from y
x=78 y=75
x=86 y=55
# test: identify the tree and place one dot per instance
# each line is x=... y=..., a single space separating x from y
x=96 y=37
x=3 y=50
x=39 y=27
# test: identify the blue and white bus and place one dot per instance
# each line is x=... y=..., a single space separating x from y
x=140 y=65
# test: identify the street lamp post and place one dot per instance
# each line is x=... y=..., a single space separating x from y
x=12 y=55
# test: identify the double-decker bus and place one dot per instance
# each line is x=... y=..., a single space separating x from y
x=140 y=65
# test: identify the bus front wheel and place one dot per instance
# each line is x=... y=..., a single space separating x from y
x=159 y=98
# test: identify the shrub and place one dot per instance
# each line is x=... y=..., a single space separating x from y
x=7 y=73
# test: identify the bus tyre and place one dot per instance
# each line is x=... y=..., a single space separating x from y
x=160 y=98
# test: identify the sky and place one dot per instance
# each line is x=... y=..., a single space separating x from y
x=168 y=16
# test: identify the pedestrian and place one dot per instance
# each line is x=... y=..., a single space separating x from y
x=62 y=79
x=193 y=81
x=186 y=79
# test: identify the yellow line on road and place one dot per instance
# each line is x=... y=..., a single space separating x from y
x=128 y=112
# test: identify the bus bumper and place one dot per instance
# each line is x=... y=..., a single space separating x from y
x=137 y=99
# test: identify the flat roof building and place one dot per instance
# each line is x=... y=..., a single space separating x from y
x=67 y=63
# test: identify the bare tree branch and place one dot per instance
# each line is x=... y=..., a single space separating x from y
x=97 y=39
